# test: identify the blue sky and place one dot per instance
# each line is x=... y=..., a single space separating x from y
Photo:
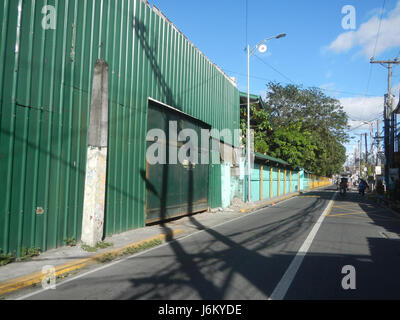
x=316 y=52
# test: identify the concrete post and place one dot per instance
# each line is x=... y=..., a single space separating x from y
x=96 y=162
x=279 y=183
x=261 y=183
x=285 y=181
x=271 y=191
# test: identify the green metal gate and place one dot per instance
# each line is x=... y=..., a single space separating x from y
x=175 y=189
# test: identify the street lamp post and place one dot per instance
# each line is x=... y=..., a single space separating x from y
x=262 y=48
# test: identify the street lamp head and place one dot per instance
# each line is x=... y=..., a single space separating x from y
x=263 y=48
x=282 y=35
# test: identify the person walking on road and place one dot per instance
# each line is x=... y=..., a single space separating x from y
x=362 y=186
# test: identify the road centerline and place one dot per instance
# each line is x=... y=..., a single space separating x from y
x=283 y=286
x=181 y=239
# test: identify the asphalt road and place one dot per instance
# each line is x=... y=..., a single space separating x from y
x=294 y=250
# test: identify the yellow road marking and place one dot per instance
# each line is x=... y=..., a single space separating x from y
x=330 y=209
x=310 y=196
x=347 y=214
x=36 y=277
x=360 y=211
x=363 y=213
x=344 y=208
x=364 y=216
x=356 y=211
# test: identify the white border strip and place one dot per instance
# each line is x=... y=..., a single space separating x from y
x=283 y=286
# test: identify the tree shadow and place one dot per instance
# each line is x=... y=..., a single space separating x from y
x=236 y=253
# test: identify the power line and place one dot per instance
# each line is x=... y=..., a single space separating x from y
x=380 y=25
x=323 y=89
x=376 y=44
x=276 y=70
x=363 y=124
x=376 y=116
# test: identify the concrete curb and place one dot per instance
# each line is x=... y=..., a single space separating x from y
x=277 y=200
x=37 y=277
x=267 y=203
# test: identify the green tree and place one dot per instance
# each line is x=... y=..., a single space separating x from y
x=318 y=119
x=293 y=144
x=318 y=113
x=301 y=126
x=260 y=123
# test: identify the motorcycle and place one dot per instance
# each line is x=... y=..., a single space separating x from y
x=342 y=191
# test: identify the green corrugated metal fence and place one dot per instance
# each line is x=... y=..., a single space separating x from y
x=46 y=80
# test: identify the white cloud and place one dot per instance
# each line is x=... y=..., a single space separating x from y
x=396 y=90
x=365 y=36
x=361 y=109
x=330 y=88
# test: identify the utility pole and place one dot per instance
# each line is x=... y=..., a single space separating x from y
x=366 y=150
x=360 y=154
x=355 y=160
x=389 y=118
x=378 y=132
x=371 y=148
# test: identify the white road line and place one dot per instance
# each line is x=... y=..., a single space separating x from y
x=147 y=251
x=283 y=286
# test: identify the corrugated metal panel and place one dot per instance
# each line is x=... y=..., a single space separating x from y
x=175 y=189
x=43 y=128
x=46 y=79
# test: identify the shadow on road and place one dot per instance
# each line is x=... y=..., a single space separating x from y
x=236 y=254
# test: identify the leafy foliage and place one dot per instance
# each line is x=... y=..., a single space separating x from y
x=301 y=126
x=293 y=144
x=260 y=122
x=6 y=258
x=29 y=253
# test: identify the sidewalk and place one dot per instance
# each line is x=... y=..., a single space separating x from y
x=393 y=206
x=69 y=260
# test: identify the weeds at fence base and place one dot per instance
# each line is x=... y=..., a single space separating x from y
x=130 y=250
x=6 y=258
x=99 y=245
x=27 y=254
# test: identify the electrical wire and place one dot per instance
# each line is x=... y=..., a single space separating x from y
x=322 y=89
x=363 y=124
x=276 y=70
x=376 y=45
